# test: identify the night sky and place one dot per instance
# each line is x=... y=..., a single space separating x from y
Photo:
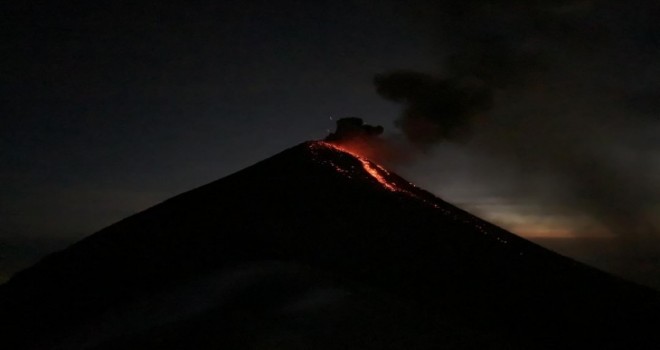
x=108 y=109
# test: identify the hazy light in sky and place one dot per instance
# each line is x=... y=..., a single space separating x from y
x=111 y=109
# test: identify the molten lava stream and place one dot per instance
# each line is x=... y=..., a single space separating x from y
x=371 y=169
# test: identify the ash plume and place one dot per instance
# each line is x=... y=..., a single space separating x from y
x=352 y=128
x=435 y=109
x=365 y=139
x=561 y=91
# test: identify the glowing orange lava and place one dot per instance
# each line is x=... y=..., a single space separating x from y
x=374 y=173
x=379 y=173
x=371 y=168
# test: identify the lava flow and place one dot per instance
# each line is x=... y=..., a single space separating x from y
x=374 y=170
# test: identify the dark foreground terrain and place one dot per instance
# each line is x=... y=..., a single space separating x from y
x=308 y=250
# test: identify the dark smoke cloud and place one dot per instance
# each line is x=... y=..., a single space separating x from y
x=353 y=133
x=435 y=109
x=563 y=91
x=351 y=128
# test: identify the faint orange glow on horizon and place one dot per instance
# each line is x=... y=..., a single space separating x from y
x=521 y=219
x=539 y=225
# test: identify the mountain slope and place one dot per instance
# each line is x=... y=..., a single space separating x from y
x=317 y=236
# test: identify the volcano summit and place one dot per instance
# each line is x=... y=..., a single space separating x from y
x=317 y=248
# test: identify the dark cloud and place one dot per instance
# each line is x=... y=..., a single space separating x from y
x=354 y=134
x=645 y=103
x=353 y=128
x=572 y=86
x=435 y=109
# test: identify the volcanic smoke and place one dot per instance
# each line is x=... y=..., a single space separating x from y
x=561 y=94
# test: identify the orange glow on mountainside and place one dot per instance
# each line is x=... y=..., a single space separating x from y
x=391 y=182
x=374 y=170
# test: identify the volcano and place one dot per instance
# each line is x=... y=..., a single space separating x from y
x=317 y=248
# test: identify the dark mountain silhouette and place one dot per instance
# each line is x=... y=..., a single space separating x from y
x=315 y=248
